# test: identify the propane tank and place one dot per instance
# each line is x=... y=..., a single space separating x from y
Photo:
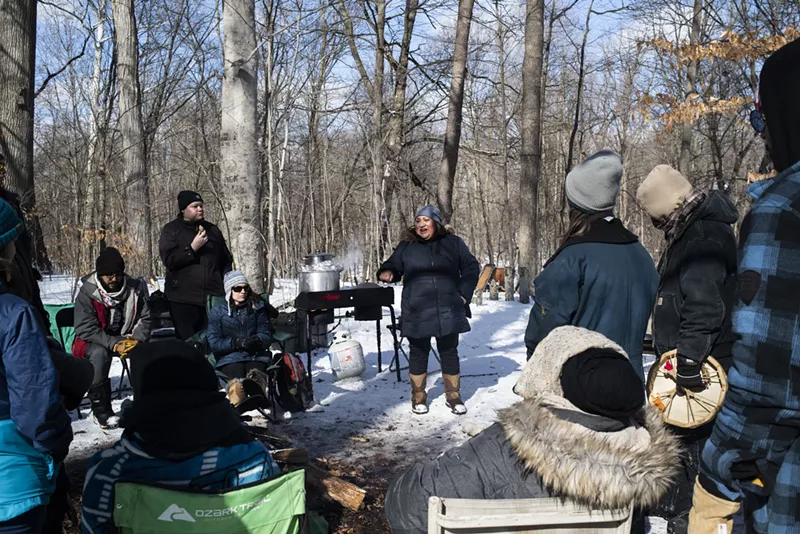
x=346 y=356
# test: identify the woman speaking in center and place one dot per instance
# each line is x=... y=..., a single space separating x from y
x=439 y=276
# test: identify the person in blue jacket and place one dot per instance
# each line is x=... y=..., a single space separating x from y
x=601 y=278
x=439 y=276
x=35 y=430
x=239 y=332
x=180 y=431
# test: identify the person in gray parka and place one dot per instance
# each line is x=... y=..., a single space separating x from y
x=582 y=433
x=112 y=315
x=439 y=276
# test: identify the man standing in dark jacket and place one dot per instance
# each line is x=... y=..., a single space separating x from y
x=196 y=257
x=695 y=297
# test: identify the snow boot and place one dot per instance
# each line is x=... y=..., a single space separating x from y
x=452 y=394
x=419 y=397
x=100 y=397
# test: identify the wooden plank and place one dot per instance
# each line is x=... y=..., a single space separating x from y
x=486 y=274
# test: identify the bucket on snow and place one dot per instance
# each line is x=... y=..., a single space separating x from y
x=346 y=356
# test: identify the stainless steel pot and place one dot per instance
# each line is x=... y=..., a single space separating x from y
x=325 y=278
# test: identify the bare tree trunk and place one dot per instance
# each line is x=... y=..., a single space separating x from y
x=241 y=194
x=452 y=136
x=17 y=74
x=581 y=73
x=690 y=88
x=508 y=223
x=531 y=155
x=137 y=186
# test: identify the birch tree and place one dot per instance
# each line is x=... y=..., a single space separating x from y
x=241 y=184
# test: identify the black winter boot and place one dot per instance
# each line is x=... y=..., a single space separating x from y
x=100 y=397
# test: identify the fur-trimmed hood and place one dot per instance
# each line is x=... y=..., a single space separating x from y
x=606 y=470
x=410 y=235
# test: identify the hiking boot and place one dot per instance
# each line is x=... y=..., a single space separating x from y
x=100 y=397
x=419 y=397
x=452 y=394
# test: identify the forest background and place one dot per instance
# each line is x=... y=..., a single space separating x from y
x=313 y=125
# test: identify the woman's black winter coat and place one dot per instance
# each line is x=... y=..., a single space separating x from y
x=436 y=274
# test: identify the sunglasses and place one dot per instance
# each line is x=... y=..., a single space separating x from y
x=240 y=289
x=758 y=121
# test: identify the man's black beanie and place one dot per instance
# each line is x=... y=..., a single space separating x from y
x=187 y=197
x=109 y=262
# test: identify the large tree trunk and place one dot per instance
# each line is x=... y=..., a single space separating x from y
x=17 y=69
x=452 y=136
x=531 y=155
x=134 y=151
x=508 y=225
x=241 y=191
x=690 y=88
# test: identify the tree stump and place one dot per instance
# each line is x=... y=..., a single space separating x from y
x=494 y=290
x=478 y=298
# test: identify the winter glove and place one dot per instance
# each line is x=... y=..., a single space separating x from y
x=123 y=347
x=689 y=376
x=238 y=343
x=253 y=344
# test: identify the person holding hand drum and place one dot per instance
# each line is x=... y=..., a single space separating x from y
x=439 y=275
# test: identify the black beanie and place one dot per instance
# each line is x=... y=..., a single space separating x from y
x=170 y=365
x=779 y=85
x=602 y=382
x=109 y=262
x=187 y=197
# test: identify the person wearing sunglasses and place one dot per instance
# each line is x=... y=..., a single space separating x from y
x=239 y=332
x=753 y=454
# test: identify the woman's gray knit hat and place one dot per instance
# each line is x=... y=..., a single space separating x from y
x=233 y=279
x=431 y=212
x=594 y=184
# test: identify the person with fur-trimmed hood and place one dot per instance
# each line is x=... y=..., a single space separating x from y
x=439 y=276
x=581 y=433
x=112 y=315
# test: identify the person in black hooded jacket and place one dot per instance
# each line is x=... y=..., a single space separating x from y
x=439 y=276
x=693 y=307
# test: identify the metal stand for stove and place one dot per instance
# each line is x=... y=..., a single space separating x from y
x=395 y=359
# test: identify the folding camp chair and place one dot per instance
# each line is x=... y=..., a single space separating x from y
x=398 y=333
x=522 y=516
x=274 y=506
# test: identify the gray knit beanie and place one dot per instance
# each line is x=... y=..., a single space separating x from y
x=233 y=279
x=593 y=185
x=431 y=212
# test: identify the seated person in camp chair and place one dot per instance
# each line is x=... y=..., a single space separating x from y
x=581 y=432
x=180 y=431
x=112 y=315
x=239 y=333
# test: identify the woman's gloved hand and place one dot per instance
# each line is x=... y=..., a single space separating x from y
x=253 y=344
x=238 y=343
